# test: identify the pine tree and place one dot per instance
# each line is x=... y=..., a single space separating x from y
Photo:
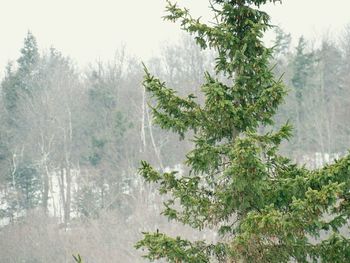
x=303 y=70
x=23 y=79
x=20 y=173
x=29 y=54
x=265 y=207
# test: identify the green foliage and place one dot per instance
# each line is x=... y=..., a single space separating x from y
x=314 y=75
x=24 y=189
x=28 y=183
x=106 y=129
x=282 y=42
x=21 y=175
x=78 y=258
x=264 y=206
x=29 y=54
x=303 y=64
x=23 y=79
x=174 y=249
x=97 y=151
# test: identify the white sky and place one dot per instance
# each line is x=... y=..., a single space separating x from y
x=88 y=30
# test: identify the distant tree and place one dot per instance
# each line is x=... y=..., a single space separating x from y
x=29 y=55
x=303 y=70
x=23 y=79
x=22 y=190
x=265 y=207
x=329 y=69
x=42 y=99
x=23 y=182
x=106 y=129
x=345 y=80
x=282 y=42
x=27 y=183
x=316 y=85
x=55 y=109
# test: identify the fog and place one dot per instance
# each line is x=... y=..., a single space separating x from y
x=76 y=121
x=91 y=30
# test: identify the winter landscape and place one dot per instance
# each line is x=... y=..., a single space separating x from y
x=228 y=142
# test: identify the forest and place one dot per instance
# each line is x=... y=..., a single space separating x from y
x=71 y=141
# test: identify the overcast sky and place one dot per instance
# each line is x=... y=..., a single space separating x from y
x=90 y=29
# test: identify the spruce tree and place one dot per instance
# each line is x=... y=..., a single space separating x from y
x=29 y=54
x=303 y=65
x=264 y=207
x=23 y=79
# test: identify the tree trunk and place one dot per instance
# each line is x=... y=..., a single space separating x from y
x=45 y=196
x=68 y=195
x=62 y=192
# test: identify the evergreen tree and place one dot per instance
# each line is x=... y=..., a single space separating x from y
x=26 y=182
x=303 y=70
x=23 y=80
x=331 y=93
x=29 y=54
x=282 y=42
x=22 y=179
x=265 y=208
x=105 y=129
x=303 y=63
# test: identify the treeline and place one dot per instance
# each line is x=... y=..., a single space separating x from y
x=318 y=105
x=71 y=141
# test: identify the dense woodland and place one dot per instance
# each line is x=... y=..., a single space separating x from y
x=71 y=141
